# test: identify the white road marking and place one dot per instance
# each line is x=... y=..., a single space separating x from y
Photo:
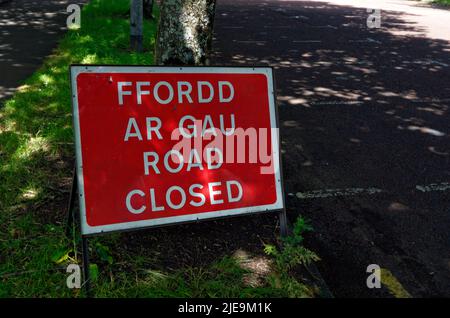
x=431 y=100
x=365 y=40
x=326 y=193
x=323 y=27
x=373 y=40
x=307 y=41
x=439 y=63
x=427 y=62
x=249 y=41
x=336 y=193
x=336 y=102
x=278 y=27
x=354 y=102
x=298 y=17
x=444 y=186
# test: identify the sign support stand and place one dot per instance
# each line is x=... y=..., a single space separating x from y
x=70 y=207
x=86 y=274
x=109 y=216
x=283 y=224
x=85 y=243
x=84 y=239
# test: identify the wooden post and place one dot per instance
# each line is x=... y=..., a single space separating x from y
x=136 y=25
x=148 y=9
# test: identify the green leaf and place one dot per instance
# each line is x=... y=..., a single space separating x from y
x=104 y=253
x=270 y=249
x=61 y=255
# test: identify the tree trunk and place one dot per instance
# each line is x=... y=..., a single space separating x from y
x=185 y=32
x=136 y=25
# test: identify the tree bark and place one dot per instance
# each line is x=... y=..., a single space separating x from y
x=185 y=32
x=136 y=25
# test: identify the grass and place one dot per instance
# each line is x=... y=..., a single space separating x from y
x=443 y=2
x=36 y=158
x=36 y=147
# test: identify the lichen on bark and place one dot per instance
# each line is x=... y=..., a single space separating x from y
x=185 y=32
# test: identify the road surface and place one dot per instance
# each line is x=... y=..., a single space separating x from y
x=29 y=31
x=365 y=128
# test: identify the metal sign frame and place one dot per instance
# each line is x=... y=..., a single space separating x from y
x=75 y=70
x=77 y=182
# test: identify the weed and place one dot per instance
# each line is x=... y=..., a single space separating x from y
x=291 y=255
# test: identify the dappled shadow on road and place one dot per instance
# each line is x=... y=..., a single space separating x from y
x=361 y=105
x=29 y=31
x=344 y=84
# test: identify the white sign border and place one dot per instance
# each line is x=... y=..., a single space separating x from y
x=86 y=229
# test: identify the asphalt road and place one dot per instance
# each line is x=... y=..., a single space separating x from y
x=365 y=128
x=29 y=31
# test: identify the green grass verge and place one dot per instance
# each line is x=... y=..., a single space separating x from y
x=36 y=154
x=443 y=2
x=35 y=137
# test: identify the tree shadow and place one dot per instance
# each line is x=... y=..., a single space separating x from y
x=358 y=107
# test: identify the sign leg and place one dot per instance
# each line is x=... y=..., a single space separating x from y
x=86 y=272
x=284 y=230
x=70 y=210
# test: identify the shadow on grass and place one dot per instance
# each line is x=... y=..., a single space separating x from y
x=37 y=151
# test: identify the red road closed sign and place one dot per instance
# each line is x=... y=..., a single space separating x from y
x=162 y=145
